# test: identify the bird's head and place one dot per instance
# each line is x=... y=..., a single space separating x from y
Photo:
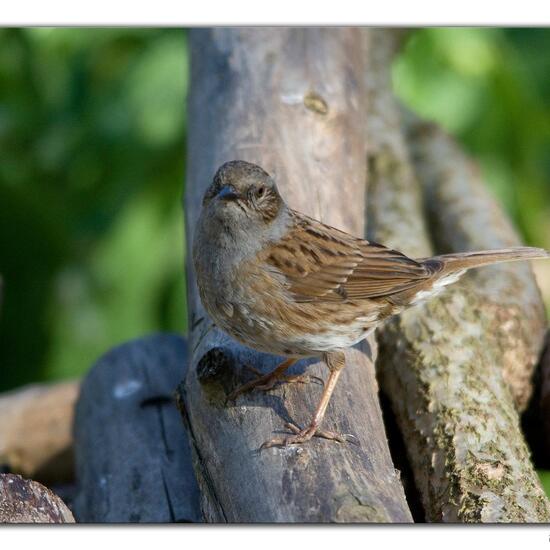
x=243 y=194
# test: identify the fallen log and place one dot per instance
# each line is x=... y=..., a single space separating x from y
x=36 y=431
x=292 y=101
x=441 y=363
x=27 y=501
x=133 y=462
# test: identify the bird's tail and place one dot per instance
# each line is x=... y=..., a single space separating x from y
x=461 y=261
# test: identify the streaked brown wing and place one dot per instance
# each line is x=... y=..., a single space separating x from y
x=320 y=263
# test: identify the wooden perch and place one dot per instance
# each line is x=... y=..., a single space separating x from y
x=293 y=101
x=36 y=431
x=133 y=461
x=442 y=363
x=26 y=501
x=464 y=216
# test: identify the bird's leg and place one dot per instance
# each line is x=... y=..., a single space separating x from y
x=335 y=362
x=267 y=381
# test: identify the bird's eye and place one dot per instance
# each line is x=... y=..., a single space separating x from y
x=260 y=191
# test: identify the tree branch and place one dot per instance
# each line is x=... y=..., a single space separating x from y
x=465 y=216
x=440 y=363
x=293 y=101
x=35 y=432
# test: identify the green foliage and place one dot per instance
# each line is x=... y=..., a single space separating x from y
x=544 y=476
x=91 y=179
x=490 y=89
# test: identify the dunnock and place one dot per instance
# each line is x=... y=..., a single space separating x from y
x=283 y=283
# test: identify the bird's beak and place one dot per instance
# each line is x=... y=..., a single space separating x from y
x=227 y=193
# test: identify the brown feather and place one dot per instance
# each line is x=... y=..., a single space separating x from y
x=321 y=263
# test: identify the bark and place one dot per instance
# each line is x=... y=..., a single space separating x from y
x=133 y=461
x=442 y=363
x=465 y=216
x=35 y=432
x=293 y=101
x=26 y=501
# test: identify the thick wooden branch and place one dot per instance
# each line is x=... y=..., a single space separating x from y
x=441 y=364
x=26 y=501
x=133 y=460
x=293 y=101
x=36 y=431
x=465 y=216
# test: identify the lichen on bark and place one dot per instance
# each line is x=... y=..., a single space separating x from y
x=443 y=363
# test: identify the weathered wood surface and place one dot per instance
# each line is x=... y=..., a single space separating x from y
x=293 y=101
x=36 y=431
x=464 y=216
x=133 y=461
x=441 y=364
x=27 y=501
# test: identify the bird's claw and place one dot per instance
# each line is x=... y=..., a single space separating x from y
x=301 y=436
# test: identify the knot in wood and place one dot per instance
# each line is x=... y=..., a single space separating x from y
x=316 y=103
x=213 y=365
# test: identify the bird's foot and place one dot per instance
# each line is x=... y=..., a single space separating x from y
x=266 y=382
x=301 y=436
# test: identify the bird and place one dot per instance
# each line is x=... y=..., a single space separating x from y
x=281 y=282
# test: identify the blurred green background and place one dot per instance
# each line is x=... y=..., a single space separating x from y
x=92 y=142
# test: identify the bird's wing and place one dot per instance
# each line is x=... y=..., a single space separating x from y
x=321 y=263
